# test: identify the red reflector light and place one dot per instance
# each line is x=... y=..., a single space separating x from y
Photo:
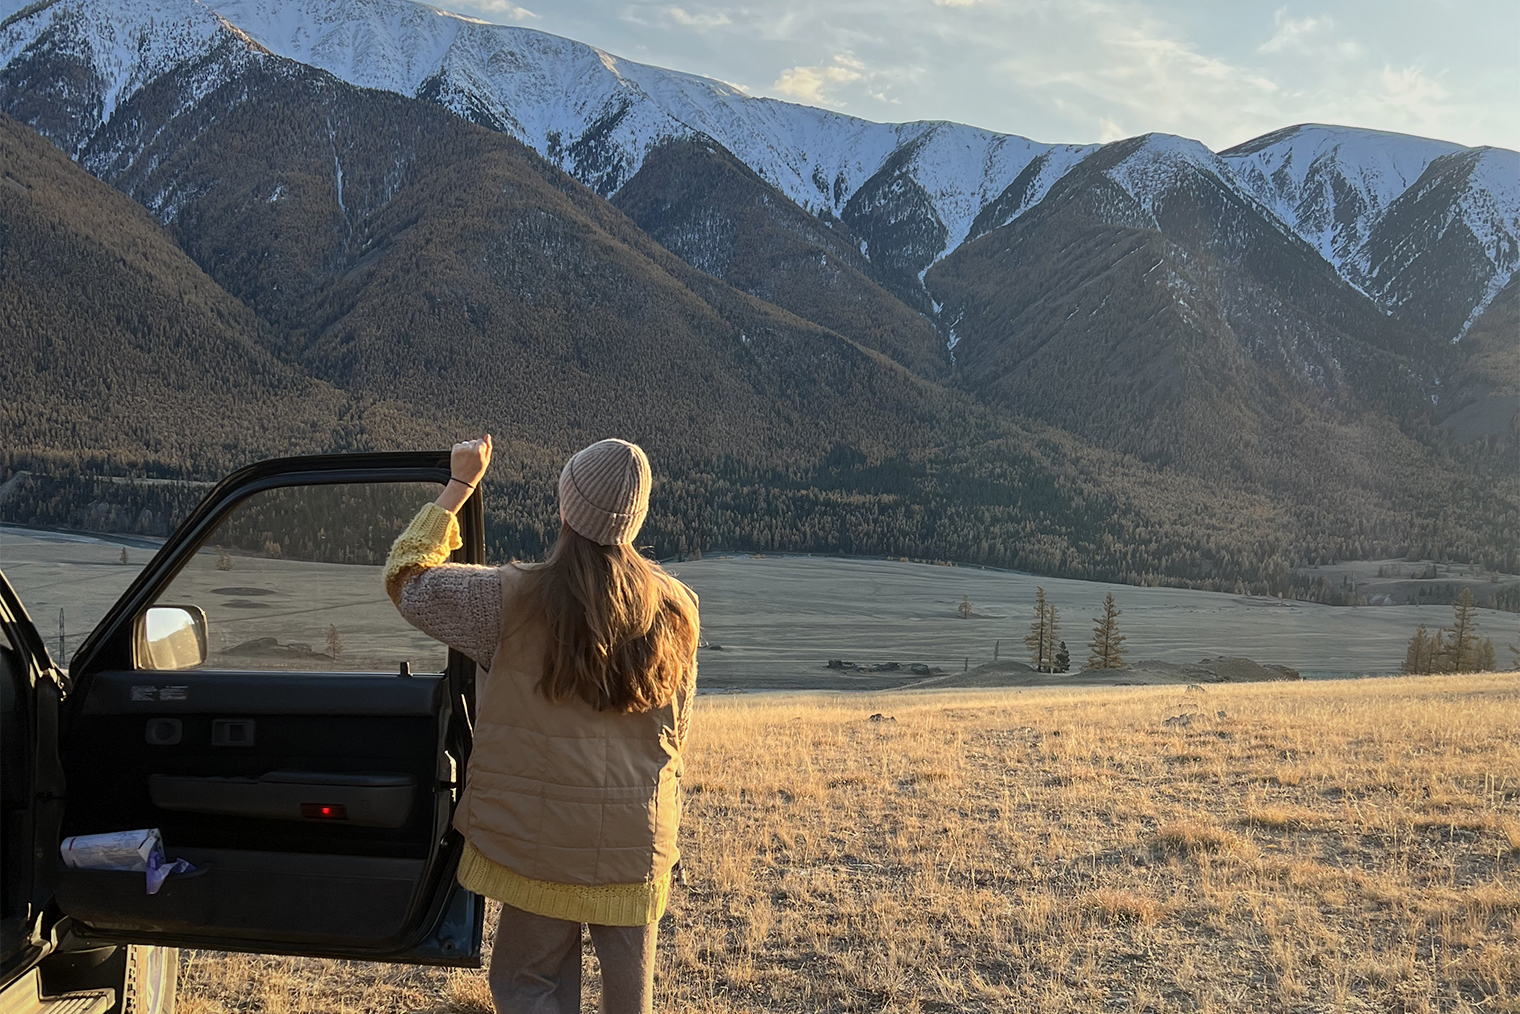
x=324 y=811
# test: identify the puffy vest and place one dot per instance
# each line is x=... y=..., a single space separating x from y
x=559 y=791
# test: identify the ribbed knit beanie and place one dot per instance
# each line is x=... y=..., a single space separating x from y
x=604 y=492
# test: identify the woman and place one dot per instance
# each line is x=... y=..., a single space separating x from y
x=572 y=798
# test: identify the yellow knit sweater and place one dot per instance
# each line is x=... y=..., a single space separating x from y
x=452 y=602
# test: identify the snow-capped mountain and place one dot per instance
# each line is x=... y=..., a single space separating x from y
x=1149 y=266
x=1154 y=168
x=597 y=115
x=1331 y=184
x=1403 y=218
x=1448 y=244
x=113 y=51
x=910 y=192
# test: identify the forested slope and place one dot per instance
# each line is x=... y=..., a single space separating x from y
x=116 y=343
x=703 y=204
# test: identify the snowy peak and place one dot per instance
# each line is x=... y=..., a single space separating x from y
x=1331 y=184
x=374 y=44
x=1448 y=244
x=1488 y=183
x=1175 y=183
x=121 y=46
x=1152 y=165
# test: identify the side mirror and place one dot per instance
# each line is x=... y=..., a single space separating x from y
x=171 y=637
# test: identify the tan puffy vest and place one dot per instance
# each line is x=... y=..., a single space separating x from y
x=559 y=791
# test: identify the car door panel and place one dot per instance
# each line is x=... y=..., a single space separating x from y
x=315 y=805
x=339 y=725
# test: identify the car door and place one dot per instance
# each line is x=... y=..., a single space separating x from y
x=31 y=784
x=256 y=697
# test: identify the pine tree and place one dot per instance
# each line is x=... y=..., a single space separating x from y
x=1063 y=659
x=1418 y=656
x=1423 y=654
x=1488 y=658
x=1107 y=644
x=1035 y=639
x=1462 y=645
x=1041 y=639
x=1439 y=660
x=965 y=607
x=334 y=641
x=1052 y=627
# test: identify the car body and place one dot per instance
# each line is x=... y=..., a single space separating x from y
x=312 y=783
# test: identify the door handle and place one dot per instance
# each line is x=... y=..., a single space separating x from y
x=232 y=732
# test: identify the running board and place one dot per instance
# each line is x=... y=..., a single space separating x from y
x=24 y=996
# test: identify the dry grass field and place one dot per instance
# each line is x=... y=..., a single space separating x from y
x=1331 y=846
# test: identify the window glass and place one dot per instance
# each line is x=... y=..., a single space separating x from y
x=292 y=580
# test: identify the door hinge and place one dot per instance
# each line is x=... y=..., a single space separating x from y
x=60 y=680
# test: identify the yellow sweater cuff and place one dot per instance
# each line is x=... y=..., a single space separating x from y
x=426 y=542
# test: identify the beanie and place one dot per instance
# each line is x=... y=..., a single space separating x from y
x=604 y=492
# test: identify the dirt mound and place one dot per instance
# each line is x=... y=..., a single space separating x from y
x=1231 y=669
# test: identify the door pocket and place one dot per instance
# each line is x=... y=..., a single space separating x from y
x=251 y=895
x=112 y=899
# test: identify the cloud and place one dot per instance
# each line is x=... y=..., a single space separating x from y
x=1085 y=70
x=1411 y=86
x=1308 y=37
x=1296 y=35
x=1388 y=97
x=1108 y=130
x=1110 y=64
x=811 y=85
x=701 y=22
x=504 y=9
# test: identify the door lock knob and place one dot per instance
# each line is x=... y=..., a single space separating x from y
x=164 y=731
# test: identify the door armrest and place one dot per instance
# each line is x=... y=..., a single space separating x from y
x=380 y=799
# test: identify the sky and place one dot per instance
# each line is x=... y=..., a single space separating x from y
x=1220 y=71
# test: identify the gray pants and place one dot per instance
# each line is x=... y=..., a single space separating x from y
x=536 y=965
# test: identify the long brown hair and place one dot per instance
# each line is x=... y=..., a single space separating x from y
x=623 y=633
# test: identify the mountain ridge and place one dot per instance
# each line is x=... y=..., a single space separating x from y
x=597 y=116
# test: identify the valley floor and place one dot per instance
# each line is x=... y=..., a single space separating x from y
x=1331 y=846
x=772 y=622
x=780 y=618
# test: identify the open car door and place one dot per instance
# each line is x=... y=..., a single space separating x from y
x=256 y=696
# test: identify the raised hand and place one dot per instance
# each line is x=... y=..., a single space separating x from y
x=469 y=460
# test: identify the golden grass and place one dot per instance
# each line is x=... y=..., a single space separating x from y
x=1337 y=846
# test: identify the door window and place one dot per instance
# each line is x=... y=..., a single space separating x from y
x=292 y=580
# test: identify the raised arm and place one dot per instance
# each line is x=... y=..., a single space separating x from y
x=459 y=604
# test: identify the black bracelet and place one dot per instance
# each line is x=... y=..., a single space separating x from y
x=462 y=483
